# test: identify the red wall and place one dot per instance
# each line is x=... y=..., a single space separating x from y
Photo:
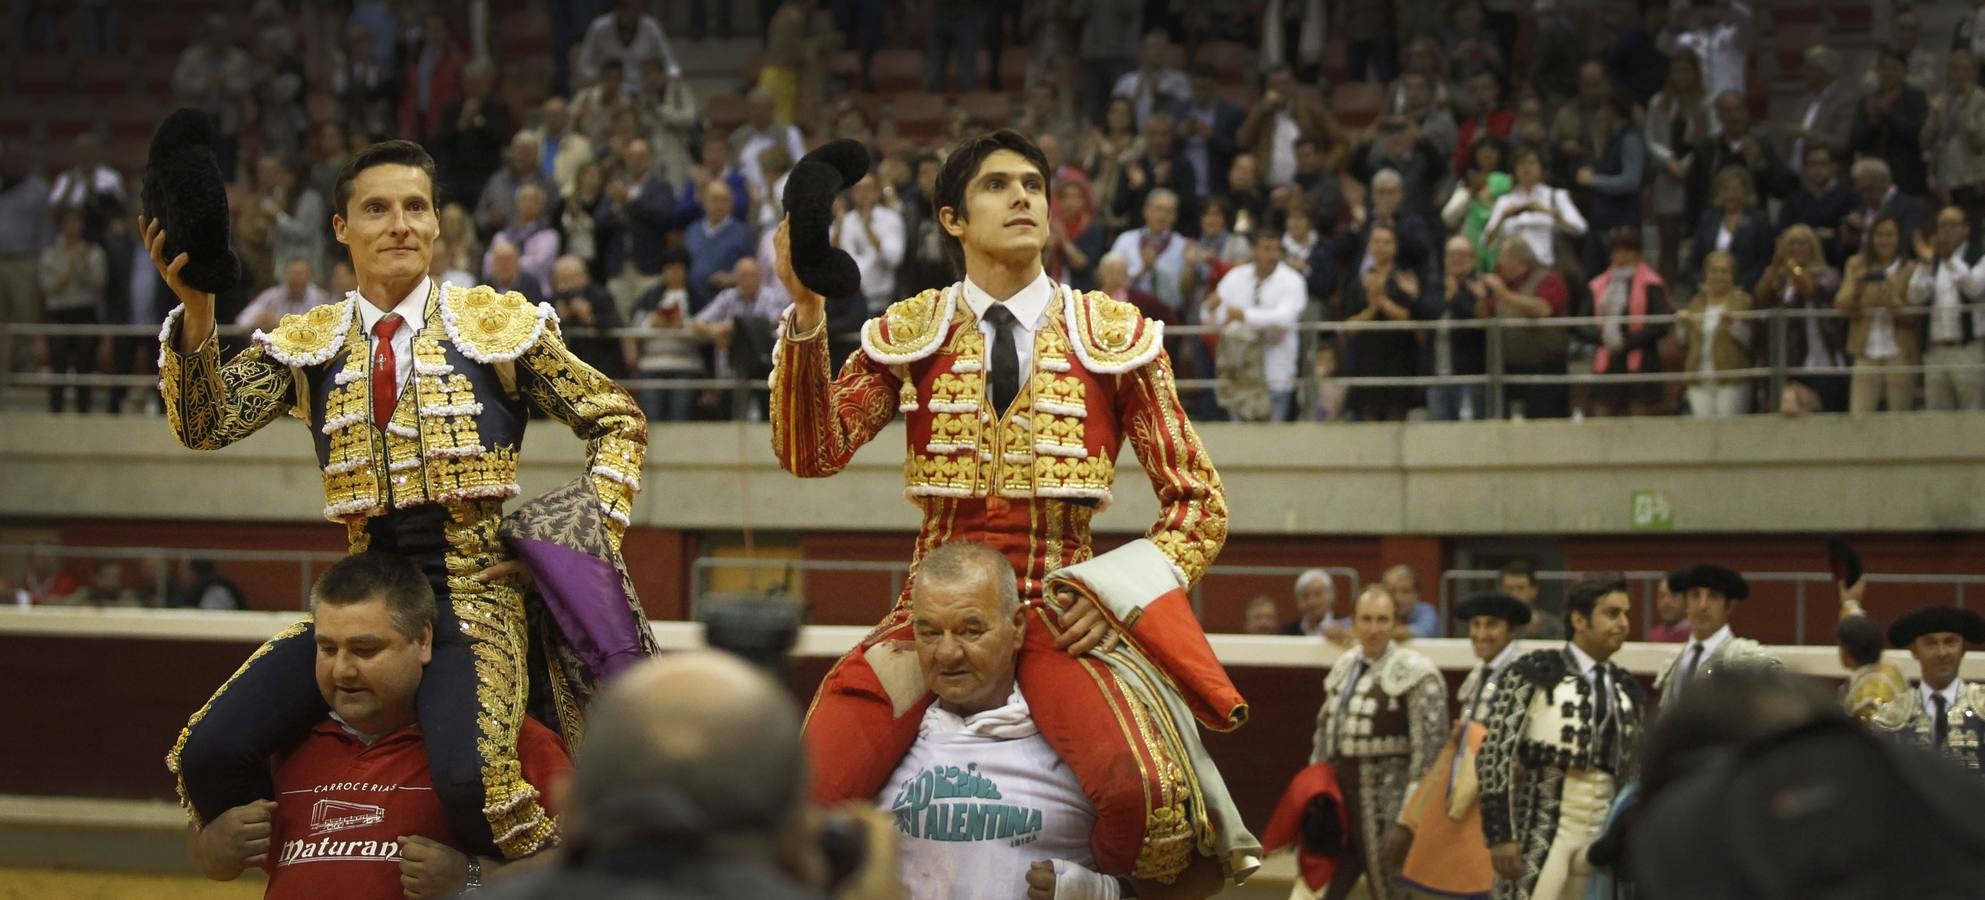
x=659 y=561
x=1770 y=613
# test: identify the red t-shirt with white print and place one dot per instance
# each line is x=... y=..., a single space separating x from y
x=342 y=806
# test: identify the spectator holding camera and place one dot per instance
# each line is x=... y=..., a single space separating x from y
x=1878 y=335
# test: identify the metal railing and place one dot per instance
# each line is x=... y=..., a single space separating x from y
x=787 y=577
x=1774 y=368
x=1456 y=583
x=163 y=558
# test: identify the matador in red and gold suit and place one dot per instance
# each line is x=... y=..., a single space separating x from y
x=1026 y=481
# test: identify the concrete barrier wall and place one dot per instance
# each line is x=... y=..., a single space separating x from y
x=1761 y=474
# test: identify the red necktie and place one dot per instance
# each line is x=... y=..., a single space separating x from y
x=385 y=372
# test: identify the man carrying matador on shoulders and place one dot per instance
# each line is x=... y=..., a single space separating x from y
x=1018 y=393
x=416 y=395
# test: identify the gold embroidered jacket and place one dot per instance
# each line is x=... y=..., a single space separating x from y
x=1026 y=482
x=479 y=359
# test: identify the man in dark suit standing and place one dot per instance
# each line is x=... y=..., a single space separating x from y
x=1822 y=199
x=1207 y=124
x=1889 y=124
x=1739 y=144
x=1878 y=195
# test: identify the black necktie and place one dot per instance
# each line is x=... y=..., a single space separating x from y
x=1005 y=358
x=1481 y=690
x=1688 y=673
x=1940 y=734
x=1351 y=685
x=1602 y=714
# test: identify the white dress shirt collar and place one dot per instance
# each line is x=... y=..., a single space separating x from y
x=1950 y=693
x=412 y=307
x=1503 y=659
x=1029 y=306
x=1709 y=647
x=1587 y=666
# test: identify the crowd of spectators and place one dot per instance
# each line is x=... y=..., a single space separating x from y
x=1610 y=161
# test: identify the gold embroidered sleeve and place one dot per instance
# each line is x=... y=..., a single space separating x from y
x=1192 y=505
x=598 y=411
x=819 y=420
x=210 y=405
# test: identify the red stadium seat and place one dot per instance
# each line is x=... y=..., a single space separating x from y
x=131 y=121
x=45 y=72
x=1789 y=43
x=1241 y=95
x=1789 y=12
x=919 y=116
x=726 y=111
x=524 y=33
x=995 y=110
x=1357 y=104
x=1334 y=64
x=1851 y=15
x=1013 y=65
x=870 y=105
x=104 y=75
x=1227 y=59
x=898 y=70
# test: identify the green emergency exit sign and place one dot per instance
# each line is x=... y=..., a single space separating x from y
x=1651 y=512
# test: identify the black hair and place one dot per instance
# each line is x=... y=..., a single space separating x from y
x=961 y=166
x=1832 y=155
x=1583 y=595
x=384 y=153
x=1221 y=204
x=1892 y=52
x=395 y=579
x=1491 y=141
x=674 y=256
x=1622 y=105
x=1520 y=567
x=1862 y=638
x=1267 y=231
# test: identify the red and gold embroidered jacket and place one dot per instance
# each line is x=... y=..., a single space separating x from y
x=1028 y=482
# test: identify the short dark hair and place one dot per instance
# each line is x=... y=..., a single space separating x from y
x=395 y=579
x=1221 y=205
x=1621 y=103
x=384 y=153
x=1520 y=567
x=961 y=166
x=1583 y=595
x=1862 y=638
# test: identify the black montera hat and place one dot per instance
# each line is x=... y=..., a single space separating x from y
x=1716 y=578
x=1937 y=620
x=810 y=190
x=1494 y=603
x=184 y=190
